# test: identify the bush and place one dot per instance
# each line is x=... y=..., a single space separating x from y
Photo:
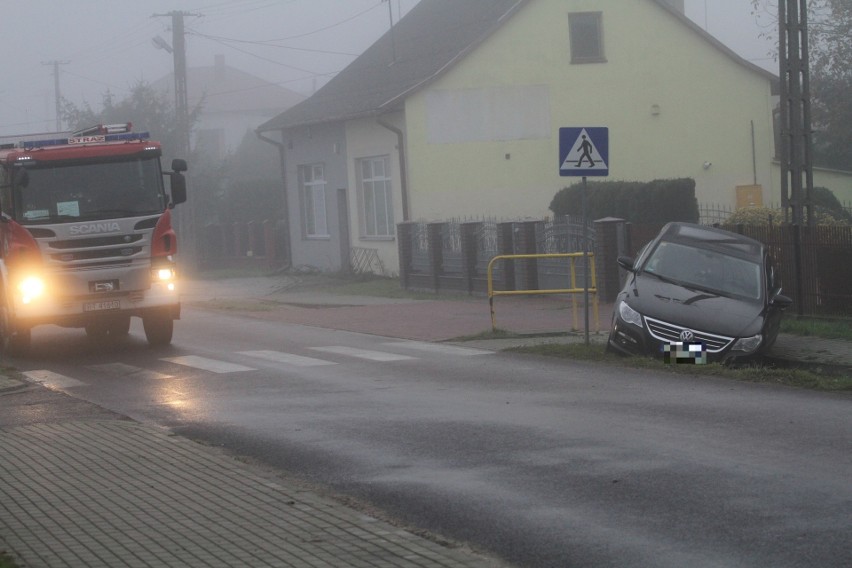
x=658 y=201
x=828 y=211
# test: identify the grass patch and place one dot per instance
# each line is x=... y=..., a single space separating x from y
x=226 y=273
x=829 y=329
x=484 y=335
x=6 y=561
x=816 y=379
x=238 y=305
x=360 y=285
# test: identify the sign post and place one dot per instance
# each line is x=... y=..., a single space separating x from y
x=584 y=151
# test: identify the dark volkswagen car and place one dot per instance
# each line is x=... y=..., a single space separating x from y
x=701 y=290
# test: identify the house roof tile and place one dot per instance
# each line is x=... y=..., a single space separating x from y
x=432 y=37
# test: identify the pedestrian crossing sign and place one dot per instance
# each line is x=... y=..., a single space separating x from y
x=584 y=151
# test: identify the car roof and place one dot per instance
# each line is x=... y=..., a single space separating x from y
x=713 y=238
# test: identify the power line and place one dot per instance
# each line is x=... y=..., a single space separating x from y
x=267 y=43
x=57 y=93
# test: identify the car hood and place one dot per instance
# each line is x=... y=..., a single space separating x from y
x=695 y=309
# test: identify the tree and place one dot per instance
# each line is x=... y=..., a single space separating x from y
x=146 y=108
x=830 y=50
x=244 y=186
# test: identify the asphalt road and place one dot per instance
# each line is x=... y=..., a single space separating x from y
x=542 y=462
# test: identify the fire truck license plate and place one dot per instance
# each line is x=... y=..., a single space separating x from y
x=100 y=306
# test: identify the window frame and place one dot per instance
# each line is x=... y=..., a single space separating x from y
x=369 y=206
x=310 y=189
x=575 y=21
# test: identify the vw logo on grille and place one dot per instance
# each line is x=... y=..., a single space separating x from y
x=686 y=335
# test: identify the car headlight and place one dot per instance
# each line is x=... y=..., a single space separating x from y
x=629 y=315
x=31 y=288
x=747 y=344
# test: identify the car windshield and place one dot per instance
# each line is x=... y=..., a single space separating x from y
x=90 y=191
x=705 y=269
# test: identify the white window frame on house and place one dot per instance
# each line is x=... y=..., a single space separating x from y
x=312 y=187
x=585 y=31
x=375 y=198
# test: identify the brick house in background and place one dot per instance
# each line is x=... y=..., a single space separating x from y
x=234 y=102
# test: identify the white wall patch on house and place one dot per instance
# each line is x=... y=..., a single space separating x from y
x=495 y=113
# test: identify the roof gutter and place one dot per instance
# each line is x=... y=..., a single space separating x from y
x=283 y=164
x=403 y=171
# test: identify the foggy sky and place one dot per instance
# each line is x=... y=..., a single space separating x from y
x=106 y=45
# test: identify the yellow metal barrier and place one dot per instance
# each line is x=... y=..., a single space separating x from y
x=593 y=288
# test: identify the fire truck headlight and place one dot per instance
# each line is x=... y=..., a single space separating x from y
x=31 y=288
x=165 y=276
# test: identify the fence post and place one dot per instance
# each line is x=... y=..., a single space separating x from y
x=269 y=243
x=252 y=239
x=527 y=245
x=610 y=243
x=238 y=245
x=436 y=250
x=467 y=232
x=506 y=245
x=403 y=234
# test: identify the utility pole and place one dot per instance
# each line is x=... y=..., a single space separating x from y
x=57 y=94
x=392 y=36
x=796 y=137
x=796 y=133
x=181 y=100
x=186 y=217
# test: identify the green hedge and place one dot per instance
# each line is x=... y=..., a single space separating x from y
x=658 y=201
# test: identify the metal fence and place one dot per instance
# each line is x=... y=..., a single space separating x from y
x=454 y=256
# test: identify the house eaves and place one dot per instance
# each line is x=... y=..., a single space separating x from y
x=430 y=40
x=768 y=75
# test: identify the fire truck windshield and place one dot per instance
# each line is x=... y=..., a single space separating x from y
x=56 y=193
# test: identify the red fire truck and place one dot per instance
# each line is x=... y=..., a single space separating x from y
x=86 y=237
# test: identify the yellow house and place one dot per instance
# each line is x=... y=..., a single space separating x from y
x=456 y=113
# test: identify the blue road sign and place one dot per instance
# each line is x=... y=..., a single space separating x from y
x=584 y=151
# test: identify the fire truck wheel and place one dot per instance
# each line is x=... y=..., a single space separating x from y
x=15 y=342
x=158 y=329
x=20 y=342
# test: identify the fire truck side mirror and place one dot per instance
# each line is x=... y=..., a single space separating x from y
x=178 y=183
x=179 y=165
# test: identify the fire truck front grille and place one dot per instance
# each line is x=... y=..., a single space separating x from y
x=73 y=256
x=113 y=240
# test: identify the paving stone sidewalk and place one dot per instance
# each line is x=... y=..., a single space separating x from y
x=117 y=493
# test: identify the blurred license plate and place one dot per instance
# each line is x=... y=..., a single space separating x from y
x=101 y=306
x=693 y=352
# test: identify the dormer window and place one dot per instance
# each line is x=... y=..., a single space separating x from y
x=586 y=34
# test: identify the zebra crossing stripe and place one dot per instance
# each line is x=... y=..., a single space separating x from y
x=129 y=371
x=287 y=358
x=363 y=353
x=439 y=348
x=206 y=364
x=52 y=380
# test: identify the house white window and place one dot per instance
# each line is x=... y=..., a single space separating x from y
x=586 y=33
x=312 y=196
x=375 y=197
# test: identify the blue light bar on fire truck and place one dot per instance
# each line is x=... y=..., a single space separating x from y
x=100 y=133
